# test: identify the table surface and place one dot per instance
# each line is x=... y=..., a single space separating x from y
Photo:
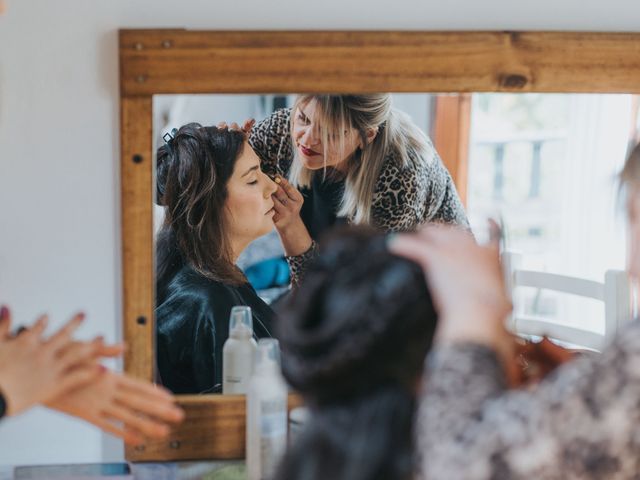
x=220 y=470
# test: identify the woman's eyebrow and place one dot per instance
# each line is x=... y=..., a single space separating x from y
x=255 y=167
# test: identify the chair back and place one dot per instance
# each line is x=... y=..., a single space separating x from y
x=615 y=292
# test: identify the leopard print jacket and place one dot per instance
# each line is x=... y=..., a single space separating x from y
x=404 y=198
x=581 y=422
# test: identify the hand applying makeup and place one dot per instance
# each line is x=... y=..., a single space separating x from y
x=289 y=225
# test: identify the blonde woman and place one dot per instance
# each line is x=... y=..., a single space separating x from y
x=354 y=159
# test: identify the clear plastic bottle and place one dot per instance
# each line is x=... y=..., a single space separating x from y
x=238 y=352
x=266 y=412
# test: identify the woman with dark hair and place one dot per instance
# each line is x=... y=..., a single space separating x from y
x=217 y=200
x=354 y=337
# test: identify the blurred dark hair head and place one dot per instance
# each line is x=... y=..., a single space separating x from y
x=354 y=338
x=192 y=172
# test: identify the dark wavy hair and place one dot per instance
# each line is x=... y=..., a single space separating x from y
x=192 y=171
x=354 y=338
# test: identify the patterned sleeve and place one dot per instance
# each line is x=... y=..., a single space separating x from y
x=298 y=264
x=271 y=140
x=583 y=421
x=408 y=197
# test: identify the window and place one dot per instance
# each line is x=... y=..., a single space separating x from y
x=548 y=164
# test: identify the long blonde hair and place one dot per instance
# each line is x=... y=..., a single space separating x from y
x=396 y=135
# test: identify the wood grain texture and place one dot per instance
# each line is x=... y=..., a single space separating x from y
x=214 y=429
x=181 y=61
x=137 y=235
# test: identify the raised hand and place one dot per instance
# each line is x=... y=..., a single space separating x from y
x=246 y=126
x=128 y=408
x=35 y=370
x=287 y=202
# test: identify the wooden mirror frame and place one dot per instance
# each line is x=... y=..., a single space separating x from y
x=189 y=62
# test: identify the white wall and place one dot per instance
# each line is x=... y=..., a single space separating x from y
x=59 y=201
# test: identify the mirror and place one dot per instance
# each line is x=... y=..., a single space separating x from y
x=533 y=158
x=193 y=298
x=159 y=62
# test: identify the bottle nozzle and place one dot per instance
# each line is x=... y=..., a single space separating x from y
x=268 y=353
x=241 y=320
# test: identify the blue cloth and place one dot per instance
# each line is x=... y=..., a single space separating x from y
x=273 y=272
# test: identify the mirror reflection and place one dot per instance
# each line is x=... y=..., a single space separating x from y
x=240 y=207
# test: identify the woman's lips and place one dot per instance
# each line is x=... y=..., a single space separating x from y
x=308 y=152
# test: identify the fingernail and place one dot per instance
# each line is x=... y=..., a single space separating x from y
x=4 y=313
x=102 y=369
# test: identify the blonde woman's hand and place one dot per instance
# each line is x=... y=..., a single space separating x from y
x=128 y=408
x=287 y=202
x=246 y=126
x=467 y=286
x=35 y=369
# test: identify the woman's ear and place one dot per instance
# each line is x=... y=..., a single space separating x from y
x=371 y=135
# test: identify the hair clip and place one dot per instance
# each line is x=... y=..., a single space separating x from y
x=168 y=137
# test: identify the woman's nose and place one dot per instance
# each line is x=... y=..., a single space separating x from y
x=310 y=137
x=272 y=187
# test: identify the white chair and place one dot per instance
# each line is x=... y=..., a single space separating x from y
x=615 y=292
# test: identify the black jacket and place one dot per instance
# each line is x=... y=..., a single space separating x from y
x=192 y=324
